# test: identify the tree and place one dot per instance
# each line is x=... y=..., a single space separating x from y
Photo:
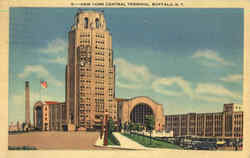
x=111 y=125
x=150 y=125
x=137 y=127
x=130 y=127
x=125 y=126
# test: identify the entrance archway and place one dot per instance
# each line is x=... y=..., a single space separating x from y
x=39 y=118
x=139 y=113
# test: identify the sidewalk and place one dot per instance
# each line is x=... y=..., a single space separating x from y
x=128 y=143
x=125 y=143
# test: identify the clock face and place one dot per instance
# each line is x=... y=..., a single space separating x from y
x=84 y=60
x=82 y=63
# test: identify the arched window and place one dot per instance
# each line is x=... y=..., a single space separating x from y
x=86 y=23
x=97 y=23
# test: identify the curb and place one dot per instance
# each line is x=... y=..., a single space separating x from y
x=117 y=147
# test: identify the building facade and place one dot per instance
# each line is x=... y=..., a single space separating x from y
x=90 y=72
x=226 y=124
x=136 y=109
x=49 y=115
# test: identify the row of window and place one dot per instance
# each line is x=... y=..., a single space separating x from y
x=99 y=100
x=101 y=94
x=84 y=111
x=99 y=35
x=102 y=48
x=99 y=70
x=99 y=76
x=237 y=129
x=237 y=122
x=99 y=82
x=84 y=81
x=83 y=75
x=85 y=35
x=99 y=88
x=86 y=23
x=99 y=53
x=84 y=87
x=88 y=81
x=100 y=65
x=85 y=41
x=99 y=42
x=238 y=116
x=82 y=105
x=99 y=59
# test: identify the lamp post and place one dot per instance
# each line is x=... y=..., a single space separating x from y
x=105 y=130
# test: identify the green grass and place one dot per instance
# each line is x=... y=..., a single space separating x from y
x=112 y=140
x=21 y=148
x=145 y=141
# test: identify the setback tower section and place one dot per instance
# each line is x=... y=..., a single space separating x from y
x=90 y=72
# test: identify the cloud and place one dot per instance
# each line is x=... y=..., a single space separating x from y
x=55 y=46
x=203 y=91
x=132 y=72
x=19 y=98
x=160 y=84
x=56 y=51
x=210 y=58
x=214 y=89
x=17 y=103
x=58 y=60
x=127 y=85
x=234 y=78
x=213 y=99
x=40 y=72
x=132 y=76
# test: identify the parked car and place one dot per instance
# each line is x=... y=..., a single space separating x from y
x=204 y=146
x=188 y=147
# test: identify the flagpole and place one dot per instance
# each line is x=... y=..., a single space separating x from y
x=40 y=89
x=47 y=90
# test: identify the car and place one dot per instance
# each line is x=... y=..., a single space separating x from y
x=204 y=146
x=187 y=147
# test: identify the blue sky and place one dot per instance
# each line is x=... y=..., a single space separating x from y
x=189 y=60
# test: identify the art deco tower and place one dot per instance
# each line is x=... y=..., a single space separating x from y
x=90 y=73
x=27 y=102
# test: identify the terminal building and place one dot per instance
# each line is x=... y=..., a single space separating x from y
x=136 y=109
x=49 y=115
x=226 y=124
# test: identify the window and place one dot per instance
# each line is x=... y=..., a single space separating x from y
x=86 y=23
x=97 y=23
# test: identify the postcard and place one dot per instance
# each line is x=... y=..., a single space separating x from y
x=127 y=77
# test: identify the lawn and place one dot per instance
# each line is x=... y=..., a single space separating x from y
x=145 y=141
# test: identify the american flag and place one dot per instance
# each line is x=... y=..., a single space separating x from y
x=44 y=84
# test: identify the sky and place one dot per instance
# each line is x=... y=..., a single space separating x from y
x=187 y=59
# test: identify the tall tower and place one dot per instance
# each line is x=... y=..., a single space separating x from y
x=27 y=102
x=90 y=73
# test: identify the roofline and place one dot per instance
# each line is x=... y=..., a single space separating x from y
x=145 y=97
